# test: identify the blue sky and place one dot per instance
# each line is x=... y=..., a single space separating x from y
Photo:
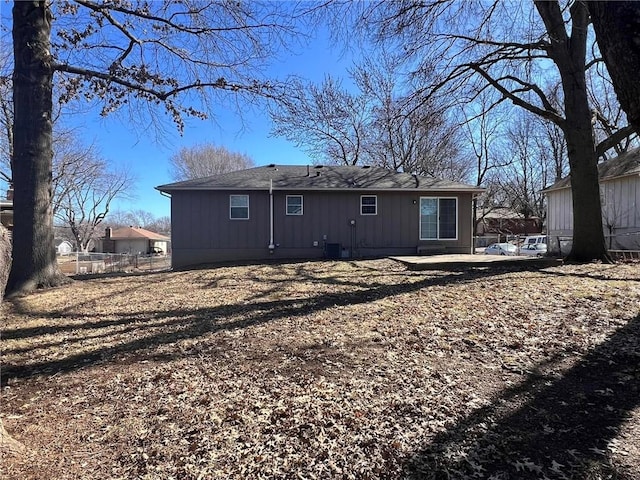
x=148 y=157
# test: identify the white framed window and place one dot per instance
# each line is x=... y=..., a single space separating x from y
x=239 y=207
x=369 y=205
x=438 y=218
x=294 y=205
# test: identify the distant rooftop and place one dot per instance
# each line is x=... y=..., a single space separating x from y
x=625 y=164
x=134 y=232
x=501 y=213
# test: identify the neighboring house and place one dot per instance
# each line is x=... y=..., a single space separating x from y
x=505 y=221
x=63 y=247
x=620 y=198
x=132 y=240
x=6 y=210
x=285 y=211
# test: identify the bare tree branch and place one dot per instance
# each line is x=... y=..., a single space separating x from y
x=614 y=140
x=206 y=160
x=550 y=115
x=84 y=196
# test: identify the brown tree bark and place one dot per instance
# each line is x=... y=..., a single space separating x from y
x=617 y=27
x=5 y=259
x=34 y=260
x=8 y=446
x=568 y=52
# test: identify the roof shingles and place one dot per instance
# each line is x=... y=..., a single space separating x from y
x=627 y=163
x=301 y=177
x=133 y=233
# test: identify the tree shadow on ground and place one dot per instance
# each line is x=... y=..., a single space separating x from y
x=545 y=427
x=156 y=328
x=612 y=274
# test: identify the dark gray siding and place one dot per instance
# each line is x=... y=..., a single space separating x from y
x=203 y=233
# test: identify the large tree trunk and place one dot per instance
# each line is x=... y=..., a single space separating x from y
x=5 y=259
x=34 y=260
x=8 y=446
x=569 y=55
x=617 y=27
x=588 y=234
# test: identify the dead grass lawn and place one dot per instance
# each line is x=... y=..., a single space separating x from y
x=328 y=370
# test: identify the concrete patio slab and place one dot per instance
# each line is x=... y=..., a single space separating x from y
x=440 y=262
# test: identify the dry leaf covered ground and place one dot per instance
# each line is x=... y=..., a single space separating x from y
x=328 y=370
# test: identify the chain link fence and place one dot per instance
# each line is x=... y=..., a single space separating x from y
x=96 y=263
x=621 y=245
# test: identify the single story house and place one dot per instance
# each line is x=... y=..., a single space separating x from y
x=620 y=198
x=63 y=247
x=505 y=221
x=6 y=210
x=287 y=212
x=132 y=240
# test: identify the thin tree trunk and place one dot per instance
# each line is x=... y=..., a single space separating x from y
x=34 y=260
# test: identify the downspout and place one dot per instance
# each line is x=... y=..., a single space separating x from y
x=271 y=245
x=474 y=221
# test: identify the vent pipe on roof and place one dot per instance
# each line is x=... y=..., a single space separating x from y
x=308 y=172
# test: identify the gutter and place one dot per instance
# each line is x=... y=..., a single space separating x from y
x=329 y=189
